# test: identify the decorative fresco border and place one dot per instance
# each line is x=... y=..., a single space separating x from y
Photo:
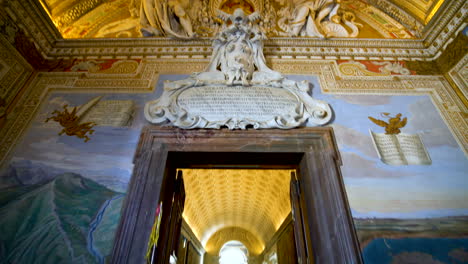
x=332 y=81
x=459 y=75
x=14 y=73
x=441 y=31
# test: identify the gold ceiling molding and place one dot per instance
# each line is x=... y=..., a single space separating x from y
x=392 y=28
x=423 y=10
x=459 y=76
x=399 y=15
x=65 y=12
x=28 y=15
x=332 y=81
x=256 y=201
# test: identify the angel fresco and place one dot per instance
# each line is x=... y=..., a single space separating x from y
x=70 y=121
x=80 y=120
x=172 y=18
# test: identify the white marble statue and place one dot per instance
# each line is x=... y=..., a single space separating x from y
x=237 y=89
x=316 y=18
x=170 y=18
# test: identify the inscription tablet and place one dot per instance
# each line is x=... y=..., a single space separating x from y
x=216 y=103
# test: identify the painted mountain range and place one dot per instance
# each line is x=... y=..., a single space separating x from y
x=56 y=220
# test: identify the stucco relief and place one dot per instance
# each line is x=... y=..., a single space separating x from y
x=317 y=18
x=171 y=18
x=237 y=89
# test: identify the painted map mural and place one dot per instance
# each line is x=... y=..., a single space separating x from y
x=60 y=197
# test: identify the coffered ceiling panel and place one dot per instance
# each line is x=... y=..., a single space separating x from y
x=253 y=202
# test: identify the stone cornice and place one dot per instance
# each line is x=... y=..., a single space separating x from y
x=439 y=32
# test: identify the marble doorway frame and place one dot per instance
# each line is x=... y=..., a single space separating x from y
x=312 y=151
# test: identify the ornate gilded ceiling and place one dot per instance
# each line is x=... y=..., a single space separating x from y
x=389 y=19
x=112 y=29
x=423 y=10
x=244 y=205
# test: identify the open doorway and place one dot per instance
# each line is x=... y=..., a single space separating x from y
x=250 y=206
x=323 y=228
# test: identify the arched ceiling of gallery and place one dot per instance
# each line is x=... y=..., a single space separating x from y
x=381 y=19
x=111 y=29
x=218 y=239
x=244 y=205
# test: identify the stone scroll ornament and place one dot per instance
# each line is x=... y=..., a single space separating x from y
x=237 y=90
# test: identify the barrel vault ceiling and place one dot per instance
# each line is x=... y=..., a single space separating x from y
x=120 y=18
x=236 y=204
x=411 y=30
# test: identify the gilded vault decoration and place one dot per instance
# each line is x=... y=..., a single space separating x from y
x=49 y=43
x=187 y=20
x=250 y=203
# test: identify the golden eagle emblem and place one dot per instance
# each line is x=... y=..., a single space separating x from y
x=70 y=123
x=394 y=123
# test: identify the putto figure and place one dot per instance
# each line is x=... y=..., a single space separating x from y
x=170 y=18
x=316 y=18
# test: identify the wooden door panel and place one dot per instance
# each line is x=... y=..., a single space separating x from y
x=172 y=220
x=297 y=212
x=329 y=220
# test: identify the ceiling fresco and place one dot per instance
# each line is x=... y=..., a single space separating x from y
x=249 y=205
x=145 y=18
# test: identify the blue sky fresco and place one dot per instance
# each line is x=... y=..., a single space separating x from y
x=379 y=190
x=374 y=188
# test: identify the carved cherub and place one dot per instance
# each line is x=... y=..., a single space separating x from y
x=394 y=123
x=172 y=18
x=316 y=18
x=70 y=123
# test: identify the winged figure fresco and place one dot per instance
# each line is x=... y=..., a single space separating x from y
x=392 y=127
x=71 y=120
